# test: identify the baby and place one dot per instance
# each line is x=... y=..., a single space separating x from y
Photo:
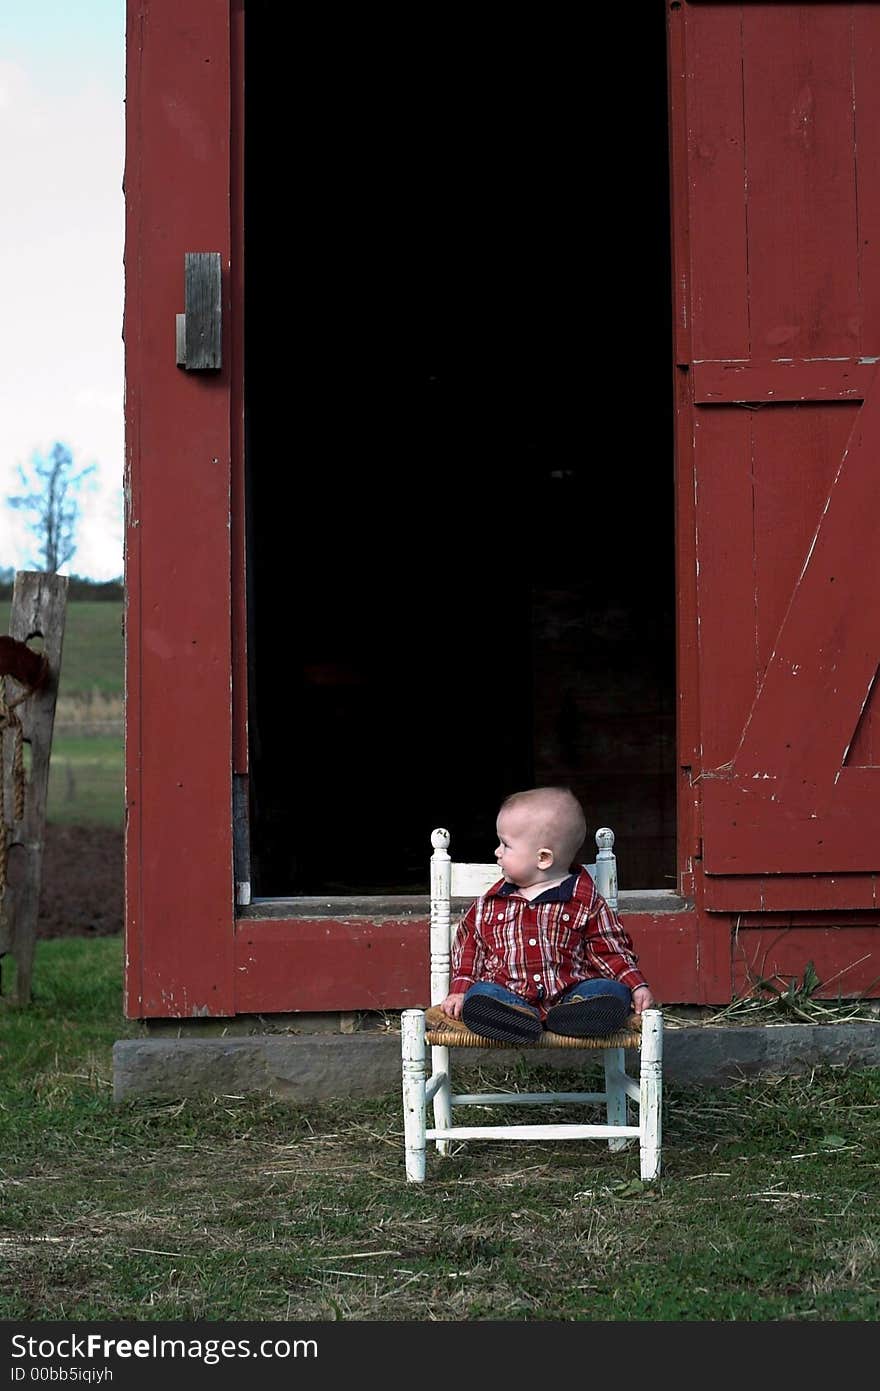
x=542 y=949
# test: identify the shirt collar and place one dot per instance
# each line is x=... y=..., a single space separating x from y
x=578 y=885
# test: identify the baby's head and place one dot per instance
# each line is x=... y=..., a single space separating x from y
x=539 y=834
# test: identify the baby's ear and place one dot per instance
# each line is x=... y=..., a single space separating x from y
x=545 y=858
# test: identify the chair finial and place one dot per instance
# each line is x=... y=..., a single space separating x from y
x=605 y=838
x=440 y=839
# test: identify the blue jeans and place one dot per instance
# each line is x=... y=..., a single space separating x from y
x=584 y=989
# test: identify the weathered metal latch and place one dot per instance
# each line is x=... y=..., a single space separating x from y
x=199 y=327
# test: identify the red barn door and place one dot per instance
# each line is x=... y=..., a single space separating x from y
x=778 y=333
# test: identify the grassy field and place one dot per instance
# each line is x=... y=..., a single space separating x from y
x=92 y=655
x=86 y=783
x=234 y=1207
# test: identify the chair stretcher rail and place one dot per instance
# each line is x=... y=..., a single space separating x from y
x=534 y=1132
x=526 y=1098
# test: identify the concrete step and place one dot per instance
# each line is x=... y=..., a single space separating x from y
x=320 y=1066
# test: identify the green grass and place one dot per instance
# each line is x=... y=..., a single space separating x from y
x=92 y=655
x=235 y=1207
x=86 y=780
x=76 y=1014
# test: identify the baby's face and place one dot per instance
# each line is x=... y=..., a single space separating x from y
x=517 y=852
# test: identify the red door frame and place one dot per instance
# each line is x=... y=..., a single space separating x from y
x=178 y=759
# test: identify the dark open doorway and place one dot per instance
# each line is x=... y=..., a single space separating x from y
x=459 y=439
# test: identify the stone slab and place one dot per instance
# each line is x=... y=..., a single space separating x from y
x=310 y=1067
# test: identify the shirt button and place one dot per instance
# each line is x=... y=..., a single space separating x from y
x=536 y=976
x=565 y=917
x=501 y=917
x=533 y=941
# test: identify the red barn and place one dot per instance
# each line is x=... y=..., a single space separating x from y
x=489 y=425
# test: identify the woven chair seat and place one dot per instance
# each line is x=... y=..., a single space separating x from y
x=444 y=1032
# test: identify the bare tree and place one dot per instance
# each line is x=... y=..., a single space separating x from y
x=53 y=486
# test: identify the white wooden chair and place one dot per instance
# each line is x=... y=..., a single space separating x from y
x=643 y=1034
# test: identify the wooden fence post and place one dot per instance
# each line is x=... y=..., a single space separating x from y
x=38 y=612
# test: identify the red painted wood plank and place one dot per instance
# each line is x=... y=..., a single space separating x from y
x=726 y=584
x=795 y=454
x=678 y=143
x=324 y=964
x=846 y=959
x=749 y=829
x=687 y=664
x=715 y=953
x=286 y=965
x=688 y=732
x=803 y=268
x=810 y=893
x=825 y=654
x=866 y=65
x=719 y=383
x=179 y=906
x=687 y=735
x=668 y=952
x=717 y=184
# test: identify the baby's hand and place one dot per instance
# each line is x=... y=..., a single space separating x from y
x=452 y=1005
x=642 y=999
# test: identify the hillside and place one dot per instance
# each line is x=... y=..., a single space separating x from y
x=82 y=866
x=92 y=657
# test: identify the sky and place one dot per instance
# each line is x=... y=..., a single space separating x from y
x=62 y=136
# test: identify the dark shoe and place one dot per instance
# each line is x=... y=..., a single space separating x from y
x=590 y=1016
x=494 y=1019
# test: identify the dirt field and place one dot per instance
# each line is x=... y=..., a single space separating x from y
x=82 y=894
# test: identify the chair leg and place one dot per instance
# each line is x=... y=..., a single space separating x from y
x=651 y=1094
x=412 y=1038
x=442 y=1096
x=615 y=1096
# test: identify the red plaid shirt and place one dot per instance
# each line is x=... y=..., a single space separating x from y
x=539 y=949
